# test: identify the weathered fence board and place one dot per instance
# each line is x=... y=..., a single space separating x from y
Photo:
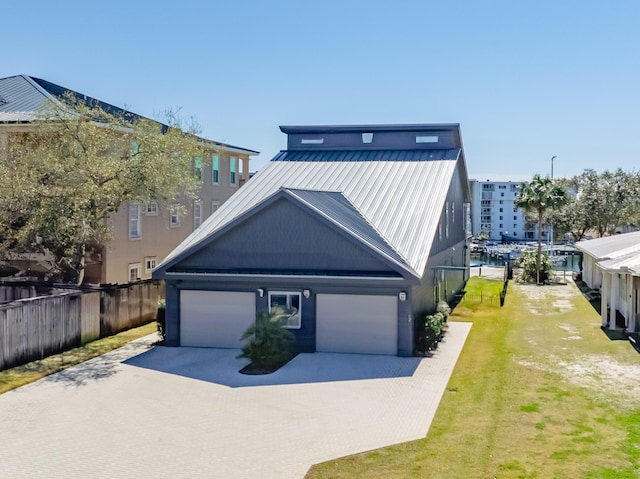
x=37 y=327
x=90 y=317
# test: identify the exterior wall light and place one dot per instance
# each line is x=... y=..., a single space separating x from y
x=402 y=296
x=260 y=292
x=307 y=293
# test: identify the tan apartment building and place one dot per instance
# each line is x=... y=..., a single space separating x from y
x=142 y=234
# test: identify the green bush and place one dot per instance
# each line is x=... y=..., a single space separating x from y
x=527 y=262
x=430 y=331
x=161 y=322
x=445 y=309
x=269 y=343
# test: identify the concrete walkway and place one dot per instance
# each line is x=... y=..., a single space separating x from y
x=143 y=412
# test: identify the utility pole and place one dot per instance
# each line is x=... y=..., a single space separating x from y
x=551 y=226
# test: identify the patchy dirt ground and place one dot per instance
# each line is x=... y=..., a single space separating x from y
x=605 y=377
x=607 y=380
x=558 y=295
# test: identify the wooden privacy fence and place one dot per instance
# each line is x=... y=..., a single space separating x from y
x=37 y=327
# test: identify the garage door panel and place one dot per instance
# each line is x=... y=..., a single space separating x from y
x=357 y=324
x=215 y=319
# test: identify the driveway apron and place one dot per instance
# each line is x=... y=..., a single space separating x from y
x=144 y=411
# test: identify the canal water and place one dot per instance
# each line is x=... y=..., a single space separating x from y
x=570 y=262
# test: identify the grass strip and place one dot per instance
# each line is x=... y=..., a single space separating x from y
x=20 y=375
x=534 y=394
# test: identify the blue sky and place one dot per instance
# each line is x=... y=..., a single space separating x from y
x=526 y=80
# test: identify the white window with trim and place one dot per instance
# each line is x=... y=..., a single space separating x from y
x=215 y=169
x=285 y=305
x=134 y=221
x=134 y=271
x=197 y=214
x=215 y=204
x=152 y=209
x=149 y=263
x=233 y=171
x=174 y=212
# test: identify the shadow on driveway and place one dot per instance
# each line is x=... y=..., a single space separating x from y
x=220 y=366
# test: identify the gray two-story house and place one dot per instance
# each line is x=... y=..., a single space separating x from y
x=351 y=235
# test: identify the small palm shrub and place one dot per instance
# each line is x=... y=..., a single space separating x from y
x=269 y=343
x=527 y=262
x=161 y=322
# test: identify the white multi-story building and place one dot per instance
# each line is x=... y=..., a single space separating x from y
x=493 y=211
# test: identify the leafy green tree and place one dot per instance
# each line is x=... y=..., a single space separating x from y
x=268 y=342
x=598 y=201
x=77 y=165
x=539 y=196
x=574 y=216
x=611 y=198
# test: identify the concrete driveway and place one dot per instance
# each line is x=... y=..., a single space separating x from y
x=159 y=412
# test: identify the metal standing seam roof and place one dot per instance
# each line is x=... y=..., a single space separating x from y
x=24 y=98
x=401 y=200
x=337 y=209
x=611 y=246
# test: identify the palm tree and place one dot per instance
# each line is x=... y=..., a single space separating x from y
x=537 y=196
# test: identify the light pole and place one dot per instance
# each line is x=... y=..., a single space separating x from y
x=551 y=226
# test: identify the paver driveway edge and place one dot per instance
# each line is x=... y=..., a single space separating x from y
x=109 y=418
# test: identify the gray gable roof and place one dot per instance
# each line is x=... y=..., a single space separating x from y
x=337 y=209
x=401 y=199
x=24 y=98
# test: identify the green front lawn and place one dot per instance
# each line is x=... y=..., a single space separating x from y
x=539 y=391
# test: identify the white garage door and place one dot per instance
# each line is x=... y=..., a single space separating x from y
x=349 y=323
x=215 y=319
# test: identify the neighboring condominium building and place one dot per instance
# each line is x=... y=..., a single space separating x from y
x=494 y=213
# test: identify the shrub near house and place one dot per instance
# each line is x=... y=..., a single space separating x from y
x=432 y=329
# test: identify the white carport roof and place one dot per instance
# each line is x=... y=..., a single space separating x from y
x=610 y=247
x=615 y=253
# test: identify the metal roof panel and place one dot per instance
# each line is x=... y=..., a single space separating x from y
x=611 y=246
x=402 y=201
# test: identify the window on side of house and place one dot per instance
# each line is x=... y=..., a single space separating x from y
x=152 y=209
x=134 y=221
x=285 y=305
x=215 y=169
x=134 y=271
x=149 y=263
x=197 y=214
x=197 y=168
x=233 y=165
x=174 y=211
x=215 y=204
